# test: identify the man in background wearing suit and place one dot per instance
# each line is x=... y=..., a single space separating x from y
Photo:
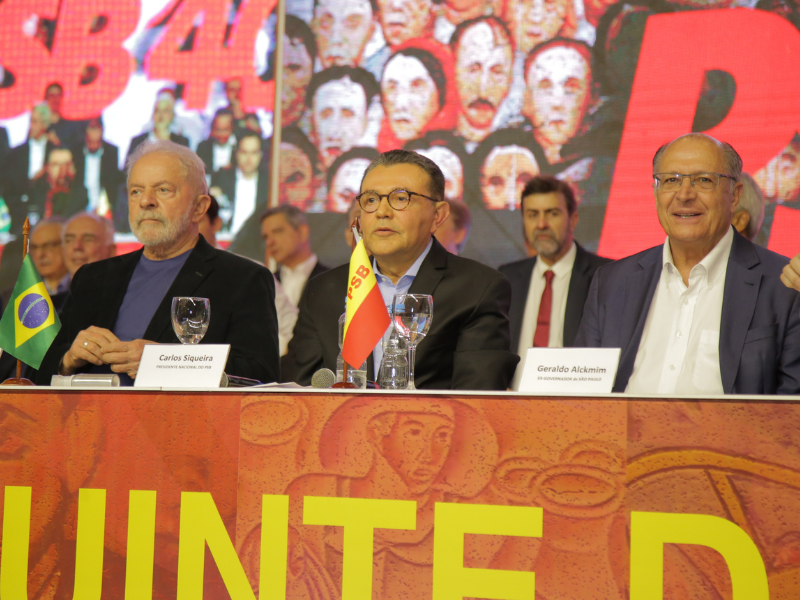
x=402 y=206
x=97 y=169
x=118 y=305
x=286 y=237
x=217 y=151
x=549 y=290
x=163 y=118
x=706 y=312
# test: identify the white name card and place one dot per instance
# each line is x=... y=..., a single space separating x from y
x=569 y=370
x=182 y=366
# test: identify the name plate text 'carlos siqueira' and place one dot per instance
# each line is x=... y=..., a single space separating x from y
x=182 y=366
x=570 y=370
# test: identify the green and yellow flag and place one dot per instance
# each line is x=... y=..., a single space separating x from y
x=29 y=323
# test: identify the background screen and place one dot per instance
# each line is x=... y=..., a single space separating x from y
x=494 y=91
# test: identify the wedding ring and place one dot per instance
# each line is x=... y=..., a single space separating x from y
x=86 y=343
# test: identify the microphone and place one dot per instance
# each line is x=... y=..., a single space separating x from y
x=323 y=379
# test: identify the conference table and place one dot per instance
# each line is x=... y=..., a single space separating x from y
x=312 y=494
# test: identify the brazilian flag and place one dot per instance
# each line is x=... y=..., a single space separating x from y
x=29 y=323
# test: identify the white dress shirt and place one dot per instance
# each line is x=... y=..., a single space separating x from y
x=245 y=202
x=36 y=151
x=679 y=351
x=287 y=317
x=91 y=177
x=221 y=154
x=294 y=279
x=562 y=274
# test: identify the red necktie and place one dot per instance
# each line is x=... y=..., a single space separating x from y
x=542 y=336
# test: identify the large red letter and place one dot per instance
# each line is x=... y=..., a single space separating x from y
x=759 y=49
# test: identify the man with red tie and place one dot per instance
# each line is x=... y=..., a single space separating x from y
x=547 y=295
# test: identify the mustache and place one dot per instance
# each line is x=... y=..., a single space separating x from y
x=481 y=103
x=150 y=214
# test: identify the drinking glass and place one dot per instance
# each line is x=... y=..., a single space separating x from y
x=411 y=315
x=190 y=318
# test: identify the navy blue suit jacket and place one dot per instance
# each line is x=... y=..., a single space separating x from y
x=759 y=341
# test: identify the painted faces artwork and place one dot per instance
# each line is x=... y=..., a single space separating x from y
x=410 y=97
x=504 y=174
x=339 y=114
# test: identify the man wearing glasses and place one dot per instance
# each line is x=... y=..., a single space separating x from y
x=706 y=313
x=402 y=207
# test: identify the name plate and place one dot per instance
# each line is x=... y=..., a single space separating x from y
x=570 y=370
x=182 y=366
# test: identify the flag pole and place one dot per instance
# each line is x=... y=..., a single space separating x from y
x=344 y=384
x=19 y=379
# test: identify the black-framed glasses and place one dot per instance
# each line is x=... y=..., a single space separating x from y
x=672 y=182
x=398 y=200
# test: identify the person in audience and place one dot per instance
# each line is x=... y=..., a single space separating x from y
x=705 y=313
x=57 y=194
x=484 y=55
x=342 y=30
x=558 y=90
x=299 y=50
x=97 y=169
x=286 y=235
x=217 y=151
x=791 y=274
x=750 y=214
x=163 y=118
x=454 y=232
x=118 y=305
x=298 y=171
x=548 y=291
x=242 y=120
x=415 y=93
x=339 y=98
x=403 y=20
x=209 y=226
x=449 y=154
x=504 y=163
x=26 y=162
x=244 y=189
x=535 y=21
x=402 y=206
x=66 y=133
x=87 y=238
x=344 y=177
x=47 y=254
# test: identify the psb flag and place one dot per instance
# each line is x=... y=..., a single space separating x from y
x=367 y=318
x=30 y=323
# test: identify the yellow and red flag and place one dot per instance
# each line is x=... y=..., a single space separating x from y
x=367 y=317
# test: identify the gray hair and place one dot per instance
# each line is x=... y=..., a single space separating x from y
x=194 y=169
x=49 y=221
x=752 y=200
x=106 y=224
x=407 y=157
x=731 y=160
x=43 y=110
x=294 y=216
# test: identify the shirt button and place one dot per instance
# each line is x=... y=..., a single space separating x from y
x=685 y=302
x=672 y=367
x=679 y=335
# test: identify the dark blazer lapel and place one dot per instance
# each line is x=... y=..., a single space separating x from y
x=196 y=268
x=640 y=287
x=738 y=305
x=519 y=299
x=114 y=286
x=430 y=272
x=577 y=292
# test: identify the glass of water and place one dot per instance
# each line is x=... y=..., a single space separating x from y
x=411 y=315
x=190 y=318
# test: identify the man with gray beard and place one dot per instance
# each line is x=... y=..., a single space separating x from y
x=547 y=295
x=119 y=305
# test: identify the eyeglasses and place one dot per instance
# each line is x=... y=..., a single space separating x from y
x=398 y=200
x=672 y=182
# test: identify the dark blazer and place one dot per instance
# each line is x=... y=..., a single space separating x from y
x=110 y=175
x=226 y=180
x=242 y=295
x=205 y=150
x=759 y=342
x=135 y=142
x=467 y=346
x=519 y=274
x=15 y=170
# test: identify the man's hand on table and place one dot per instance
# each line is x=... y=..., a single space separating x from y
x=791 y=274
x=124 y=357
x=100 y=346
